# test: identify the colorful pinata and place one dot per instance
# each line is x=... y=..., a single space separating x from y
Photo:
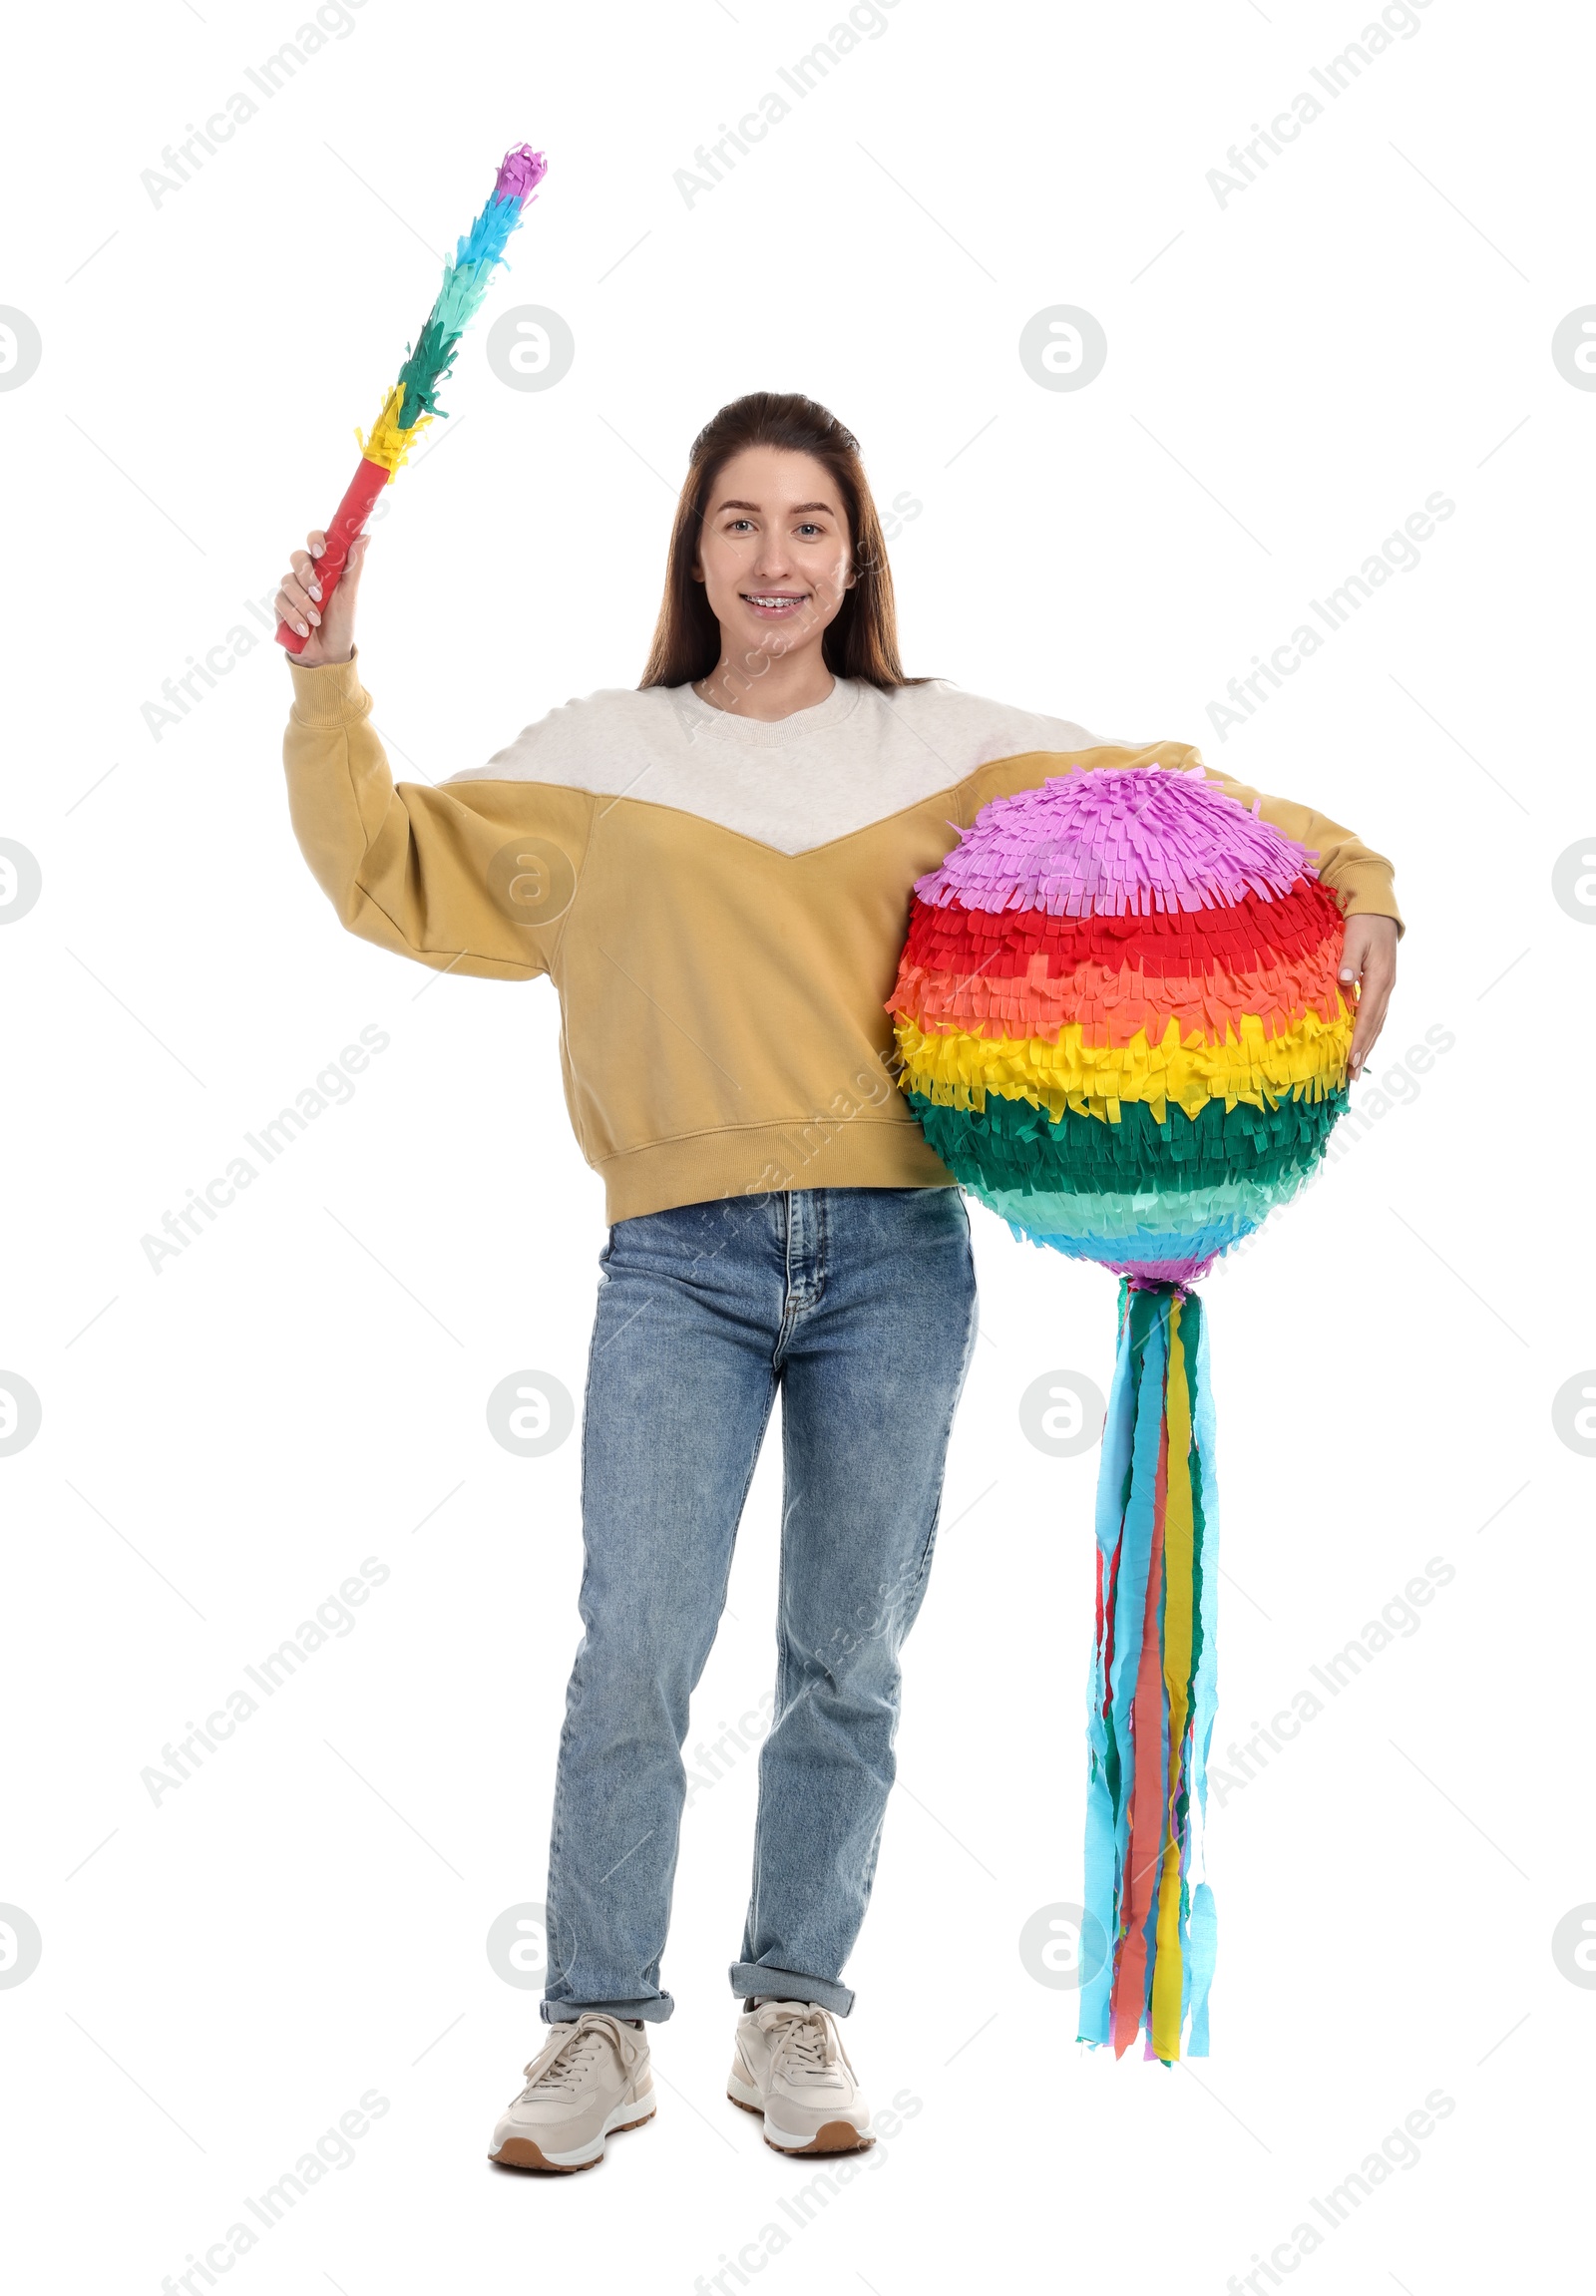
x=1121 y=1027
x=412 y=401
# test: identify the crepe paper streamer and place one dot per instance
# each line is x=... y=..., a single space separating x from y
x=1152 y=1707
x=411 y=402
x=1120 y=1024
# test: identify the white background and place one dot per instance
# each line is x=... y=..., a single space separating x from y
x=1288 y=375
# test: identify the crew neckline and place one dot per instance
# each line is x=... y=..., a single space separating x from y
x=844 y=698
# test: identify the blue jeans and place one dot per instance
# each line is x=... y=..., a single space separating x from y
x=859 y=1306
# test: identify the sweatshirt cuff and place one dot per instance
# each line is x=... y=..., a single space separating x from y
x=329 y=694
x=1369 y=892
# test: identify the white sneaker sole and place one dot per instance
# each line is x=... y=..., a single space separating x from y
x=524 y=2152
x=839 y=2136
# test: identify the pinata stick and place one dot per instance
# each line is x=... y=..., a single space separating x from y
x=412 y=401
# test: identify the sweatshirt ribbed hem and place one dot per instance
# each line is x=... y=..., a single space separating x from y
x=757 y=1159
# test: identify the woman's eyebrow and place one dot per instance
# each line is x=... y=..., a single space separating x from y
x=730 y=505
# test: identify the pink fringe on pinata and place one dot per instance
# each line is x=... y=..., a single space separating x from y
x=1131 y=839
x=521 y=171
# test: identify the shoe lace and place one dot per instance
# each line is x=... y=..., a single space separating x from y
x=561 y=2068
x=803 y=2038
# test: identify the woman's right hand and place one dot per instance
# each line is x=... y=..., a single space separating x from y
x=330 y=621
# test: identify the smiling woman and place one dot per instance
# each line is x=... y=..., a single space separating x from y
x=714 y=867
x=776 y=530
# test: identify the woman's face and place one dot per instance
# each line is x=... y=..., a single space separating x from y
x=774 y=554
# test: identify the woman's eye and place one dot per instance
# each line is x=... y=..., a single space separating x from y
x=809 y=528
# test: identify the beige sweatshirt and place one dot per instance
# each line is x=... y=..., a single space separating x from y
x=719 y=902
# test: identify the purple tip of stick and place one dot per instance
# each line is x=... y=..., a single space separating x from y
x=520 y=172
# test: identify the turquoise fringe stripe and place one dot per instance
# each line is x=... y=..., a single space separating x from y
x=1136 y=1246
x=464 y=283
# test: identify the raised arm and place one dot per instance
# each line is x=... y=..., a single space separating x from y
x=475 y=877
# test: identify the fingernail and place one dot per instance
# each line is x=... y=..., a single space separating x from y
x=301 y=627
x=317 y=549
x=315 y=591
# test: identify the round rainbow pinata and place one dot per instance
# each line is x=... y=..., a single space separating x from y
x=1120 y=1026
x=1119 y=1017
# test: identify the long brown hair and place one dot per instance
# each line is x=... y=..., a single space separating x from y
x=861 y=640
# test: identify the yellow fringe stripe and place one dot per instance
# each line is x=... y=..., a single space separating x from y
x=957 y=1070
x=388 y=444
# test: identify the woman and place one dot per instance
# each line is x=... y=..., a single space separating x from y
x=716 y=872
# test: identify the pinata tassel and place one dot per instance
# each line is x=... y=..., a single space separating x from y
x=348 y=524
x=1153 y=1693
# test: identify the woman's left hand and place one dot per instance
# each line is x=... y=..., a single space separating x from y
x=1370 y=961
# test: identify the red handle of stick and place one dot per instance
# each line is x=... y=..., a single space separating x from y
x=348 y=524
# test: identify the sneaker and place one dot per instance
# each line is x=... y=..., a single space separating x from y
x=592 y=2080
x=790 y=2065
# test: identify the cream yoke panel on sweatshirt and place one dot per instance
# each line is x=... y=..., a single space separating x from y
x=857 y=757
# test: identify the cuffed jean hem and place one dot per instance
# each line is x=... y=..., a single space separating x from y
x=752 y=1976
x=654 y=2011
